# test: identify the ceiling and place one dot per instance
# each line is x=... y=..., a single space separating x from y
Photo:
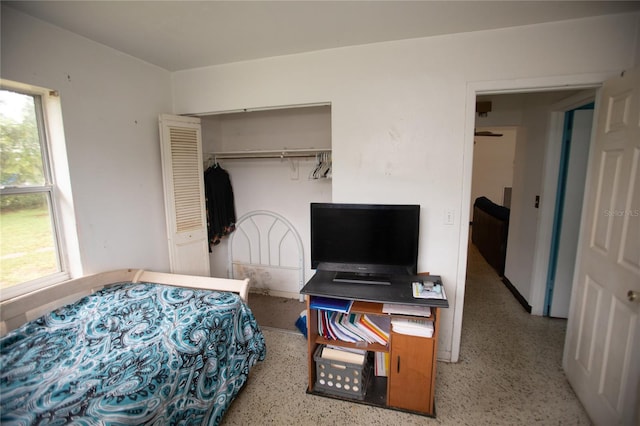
x=178 y=35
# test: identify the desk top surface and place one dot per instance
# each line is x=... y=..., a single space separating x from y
x=399 y=291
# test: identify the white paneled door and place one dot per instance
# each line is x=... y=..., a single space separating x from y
x=183 y=178
x=602 y=348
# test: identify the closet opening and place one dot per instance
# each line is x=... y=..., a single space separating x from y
x=278 y=161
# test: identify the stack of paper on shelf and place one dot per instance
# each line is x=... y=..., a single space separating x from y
x=414 y=310
x=354 y=327
x=412 y=327
x=348 y=355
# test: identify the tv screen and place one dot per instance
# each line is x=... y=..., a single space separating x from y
x=365 y=238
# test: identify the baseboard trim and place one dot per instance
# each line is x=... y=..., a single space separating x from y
x=516 y=294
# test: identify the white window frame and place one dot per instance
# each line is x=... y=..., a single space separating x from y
x=57 y=185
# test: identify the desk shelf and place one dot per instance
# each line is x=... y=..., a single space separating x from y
x=374 y=347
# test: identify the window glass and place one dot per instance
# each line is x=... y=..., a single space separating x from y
x=28 y=245
x=21 y=159
x=27 y=248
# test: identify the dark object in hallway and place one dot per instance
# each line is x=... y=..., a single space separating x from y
x=489 y=232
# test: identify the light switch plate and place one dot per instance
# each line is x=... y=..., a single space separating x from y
x=449 y=217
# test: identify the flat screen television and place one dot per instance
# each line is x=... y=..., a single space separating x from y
x=365 y=242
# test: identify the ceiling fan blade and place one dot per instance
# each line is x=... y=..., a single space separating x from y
x=487 y=133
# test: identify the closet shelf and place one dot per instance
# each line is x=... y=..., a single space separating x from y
x=281 y=153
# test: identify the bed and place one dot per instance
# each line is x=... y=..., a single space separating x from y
x=127 y=347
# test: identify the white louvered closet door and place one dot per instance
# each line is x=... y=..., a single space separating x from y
x=182 y=175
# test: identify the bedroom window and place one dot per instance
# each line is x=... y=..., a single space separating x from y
x=31 y=249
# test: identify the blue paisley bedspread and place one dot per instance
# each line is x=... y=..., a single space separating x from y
x=130 y=354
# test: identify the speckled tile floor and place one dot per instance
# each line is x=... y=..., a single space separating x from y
x=509 y=373
x=276 y=312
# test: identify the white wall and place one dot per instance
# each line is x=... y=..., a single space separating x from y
x=301 y=127
x=110 y=106
x=399 y=114
x=493 y=164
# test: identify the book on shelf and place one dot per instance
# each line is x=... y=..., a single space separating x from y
x=354 y=320
x=378 y=325
x=412 y=327
x=329 y=327
x=342 y=333
x=365 y=328
x=330 y=304
x=324 y=326
x=381 y=364
x=341 y=321
x=354 y=328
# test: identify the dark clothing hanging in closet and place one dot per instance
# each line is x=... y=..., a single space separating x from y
x=221 y=211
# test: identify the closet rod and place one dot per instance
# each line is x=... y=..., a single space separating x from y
x=289 y=153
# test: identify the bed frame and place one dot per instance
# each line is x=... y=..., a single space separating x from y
x=267 y=249
x=19 y=310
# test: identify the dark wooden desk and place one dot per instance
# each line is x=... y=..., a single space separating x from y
x=399 y=291
x=410 y=385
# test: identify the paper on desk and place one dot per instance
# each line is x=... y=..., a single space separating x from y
x=396 y=308
x=421 y=291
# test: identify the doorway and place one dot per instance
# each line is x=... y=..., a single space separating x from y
x=538 y=120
